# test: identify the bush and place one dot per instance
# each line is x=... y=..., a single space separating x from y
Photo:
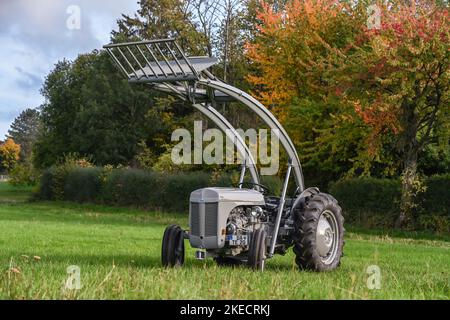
x=368 y=202
x=436 y=223
x=45 y=191
x=435 y=205
x=62 y=169
x=176 y=189
x=222 y=179
x=378 y=195
x=60 y=173
x=83 y=185
x=371 y=202
x=227 y=179
x=23 y=174
x=436 y=199
x=132 y=187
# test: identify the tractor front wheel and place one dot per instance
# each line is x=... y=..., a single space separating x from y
x=172 y=252
x=257 y=251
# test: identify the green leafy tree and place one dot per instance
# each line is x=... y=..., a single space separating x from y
x=397 y=77
x=213 y=27
x=373 y=98
x=160 y=19
x=24 y=130
x=291 y=51
x=91 y=110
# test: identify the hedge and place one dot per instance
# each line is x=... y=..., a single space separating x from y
x=130 y=187
x=367 y=202
x=380 y=195
x=437 y=197
x=176 y=189
x=371 y=202
x=46 y=185
x=83 y=184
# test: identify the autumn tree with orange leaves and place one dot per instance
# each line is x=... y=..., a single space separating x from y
x=394 y=76
x=399 y=82
x=9 y=154
x=293 y=52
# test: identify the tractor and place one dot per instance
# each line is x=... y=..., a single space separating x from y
x=243 y=224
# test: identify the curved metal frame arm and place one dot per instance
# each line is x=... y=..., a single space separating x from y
x=233 y=135
x=190 y=77
x=223 y=124
x=267 y=117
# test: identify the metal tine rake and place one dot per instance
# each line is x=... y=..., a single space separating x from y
x=152 y=61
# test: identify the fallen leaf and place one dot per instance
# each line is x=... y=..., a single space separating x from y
x=15 y=270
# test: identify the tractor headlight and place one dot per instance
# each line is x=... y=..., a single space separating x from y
x=256 y=212
x=231 y=228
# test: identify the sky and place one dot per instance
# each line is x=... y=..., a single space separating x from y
x=35 y=34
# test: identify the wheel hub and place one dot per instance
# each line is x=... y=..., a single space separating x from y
x=327 y=237
x=324 y=237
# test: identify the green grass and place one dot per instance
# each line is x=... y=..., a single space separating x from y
x=9 y=193
x=118 y=252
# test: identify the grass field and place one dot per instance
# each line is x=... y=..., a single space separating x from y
x=118 y=253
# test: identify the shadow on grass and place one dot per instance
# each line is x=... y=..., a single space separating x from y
x=87 y=214
x=92 y=214
x=402 y=234
x=120 y=260
x=149 y=262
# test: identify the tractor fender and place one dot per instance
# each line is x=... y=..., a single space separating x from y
x=305 y=193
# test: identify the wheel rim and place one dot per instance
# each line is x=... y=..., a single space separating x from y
x=327 y=237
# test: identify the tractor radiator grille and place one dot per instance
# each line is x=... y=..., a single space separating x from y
x=210 y=219
x=195 y=218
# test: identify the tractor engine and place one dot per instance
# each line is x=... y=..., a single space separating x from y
x=242 y=222
x=224 y=218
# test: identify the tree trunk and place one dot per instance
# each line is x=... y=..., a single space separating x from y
x=409 y=147
x=409 y=181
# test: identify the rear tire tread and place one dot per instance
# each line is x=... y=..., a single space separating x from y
x=306 y=219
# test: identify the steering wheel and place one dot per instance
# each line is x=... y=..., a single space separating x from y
x=265 y=190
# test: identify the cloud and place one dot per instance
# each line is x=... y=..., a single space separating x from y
x=29 y=80
x=35 y=35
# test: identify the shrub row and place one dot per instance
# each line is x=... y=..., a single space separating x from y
x=371 y=202
x=131 y=187
x=437 y=197
x=367 y=202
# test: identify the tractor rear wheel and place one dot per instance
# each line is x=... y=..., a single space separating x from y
x=172 y=251
x=319 y=233
x=257 y=251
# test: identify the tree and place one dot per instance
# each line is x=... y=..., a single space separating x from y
x=24 y=131
x=9 y=154
x=215 y=27
x=91 y=110
x=292 y=54
x=159 y=19
x=390 y=84
x=398 y=80
x=200 y=27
